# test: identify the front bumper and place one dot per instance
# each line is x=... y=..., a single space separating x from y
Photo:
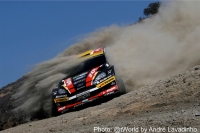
x=105 y=92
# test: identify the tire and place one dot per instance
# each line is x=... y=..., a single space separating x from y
x=54 y=109
x=121 y=87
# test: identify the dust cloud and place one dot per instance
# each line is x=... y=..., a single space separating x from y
x=143 y=53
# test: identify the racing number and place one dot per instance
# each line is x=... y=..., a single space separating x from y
x=68 y=85
x=68 y=82
x=92 y=72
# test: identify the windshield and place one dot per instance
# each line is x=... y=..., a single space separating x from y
x=86 y=65
x=93 y=62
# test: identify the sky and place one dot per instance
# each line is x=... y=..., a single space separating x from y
x=35 y=31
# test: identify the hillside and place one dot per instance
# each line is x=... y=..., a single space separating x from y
x=173 y=102
x=7 y=117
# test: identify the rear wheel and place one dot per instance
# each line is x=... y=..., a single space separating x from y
x=121 y=87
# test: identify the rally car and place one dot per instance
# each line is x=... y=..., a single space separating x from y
x=95 y=79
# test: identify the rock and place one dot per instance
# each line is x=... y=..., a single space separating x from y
x=168 y=81
x=196 y=68
x=182 y=111
x=64 y=121
x=197 y=114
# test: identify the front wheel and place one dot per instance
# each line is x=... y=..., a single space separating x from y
x=54 y=109
x=121 y=87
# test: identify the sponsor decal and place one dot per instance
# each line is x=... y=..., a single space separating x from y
x=61 y=108
x=102 y=84
x=107 y=81
x=64 y=99
x=79 y=81
x=110 y=91
x=61 y=96
x=91 y=53
x=68 y=85
x=97 y=50
x=83 y=75
x=97 y=82
x=92 y=73
x=81 y=87
x=67 y=82
x=91 y=76
x=75 y=79
x=85 y=53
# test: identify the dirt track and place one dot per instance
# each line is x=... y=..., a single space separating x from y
x=170 y=103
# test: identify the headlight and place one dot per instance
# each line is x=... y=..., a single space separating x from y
x=62 y=91
x=100 y=76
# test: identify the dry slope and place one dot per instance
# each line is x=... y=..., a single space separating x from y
x=173 y=102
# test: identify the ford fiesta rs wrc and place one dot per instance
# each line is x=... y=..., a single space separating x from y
x=95 y=79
